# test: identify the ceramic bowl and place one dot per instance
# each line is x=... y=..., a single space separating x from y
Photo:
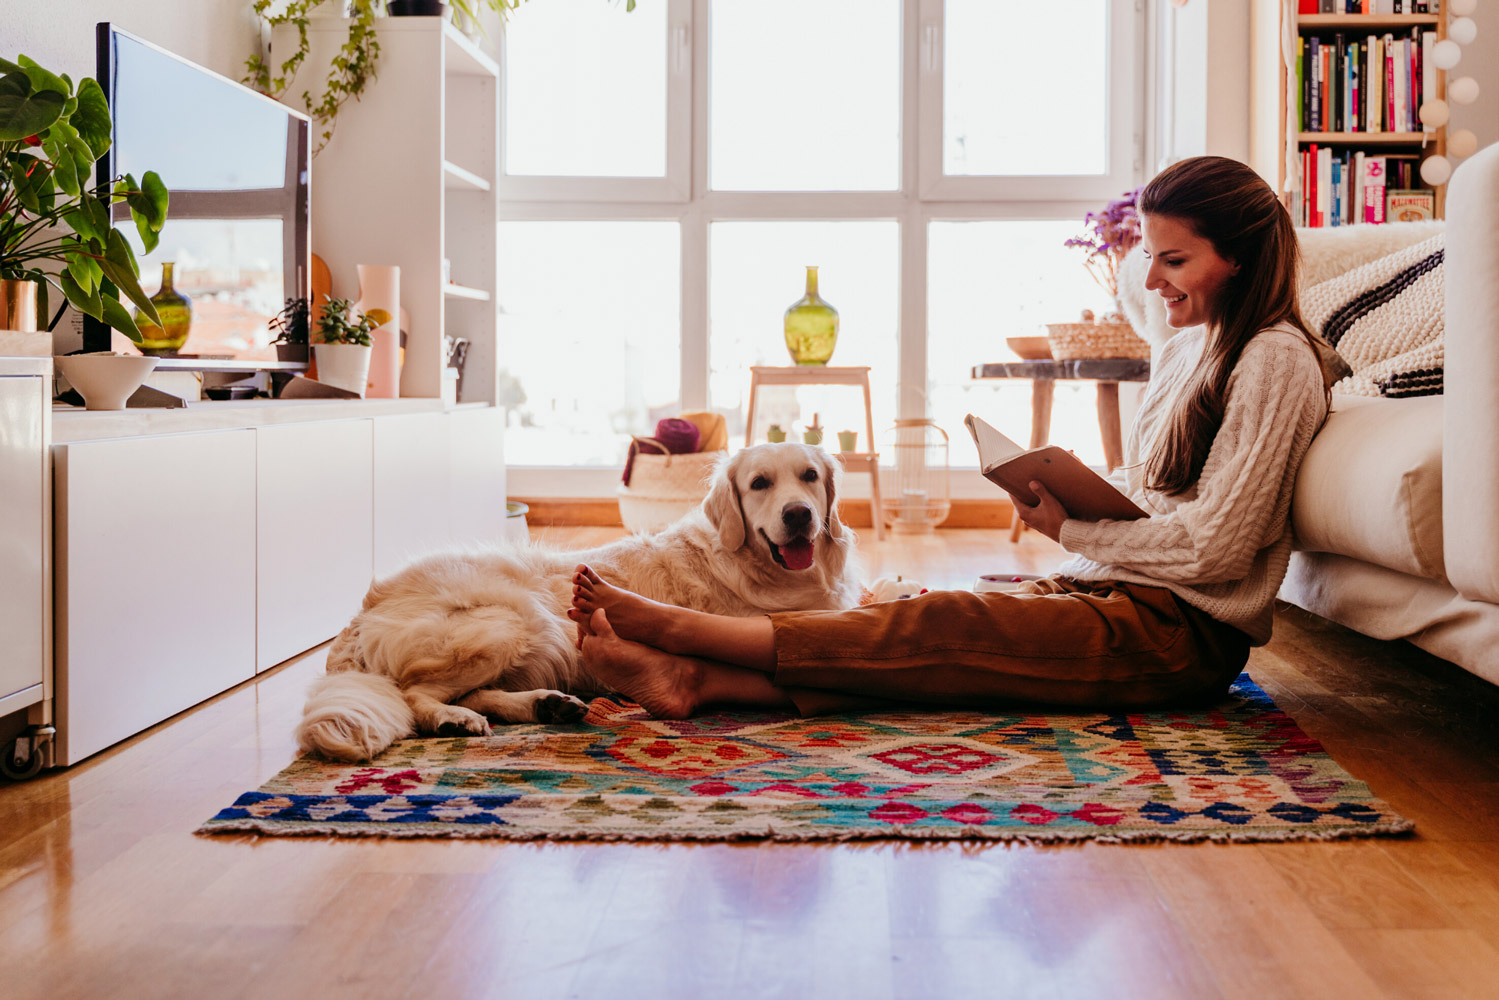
x=1030 y=348
x=106 y=380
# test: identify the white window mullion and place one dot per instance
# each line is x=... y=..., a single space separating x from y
x=695 y=360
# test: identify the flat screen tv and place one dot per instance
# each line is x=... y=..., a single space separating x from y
x=236 y=164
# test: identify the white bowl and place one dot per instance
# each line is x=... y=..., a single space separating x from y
x=106 y=380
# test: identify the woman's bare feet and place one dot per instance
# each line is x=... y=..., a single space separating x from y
x=631 y=616
x=664 y=685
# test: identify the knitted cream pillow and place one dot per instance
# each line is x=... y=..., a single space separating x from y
x=1386 y=319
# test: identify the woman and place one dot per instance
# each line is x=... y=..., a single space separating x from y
x=1148 y=612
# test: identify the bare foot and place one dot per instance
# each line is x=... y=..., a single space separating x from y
x=631 y=616
x=664 y=685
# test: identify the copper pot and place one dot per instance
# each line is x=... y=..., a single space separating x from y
x=18 y=305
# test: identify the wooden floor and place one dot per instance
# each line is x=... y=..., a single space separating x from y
x=105 y=892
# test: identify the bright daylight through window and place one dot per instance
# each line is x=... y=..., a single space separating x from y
x=670 y=172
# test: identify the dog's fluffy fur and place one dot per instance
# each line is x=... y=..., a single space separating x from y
x=461 y=636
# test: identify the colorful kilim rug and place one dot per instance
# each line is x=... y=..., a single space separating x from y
x=1240 y=770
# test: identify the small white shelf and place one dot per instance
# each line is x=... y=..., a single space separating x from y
x=464 y=292
x=456 y=178
x=464 y=57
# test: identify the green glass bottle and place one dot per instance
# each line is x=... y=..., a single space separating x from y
x=176 y=312
x=811 y=326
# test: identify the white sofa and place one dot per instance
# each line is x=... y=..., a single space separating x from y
x=1396 y=510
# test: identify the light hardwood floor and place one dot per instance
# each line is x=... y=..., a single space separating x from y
x=105 y=892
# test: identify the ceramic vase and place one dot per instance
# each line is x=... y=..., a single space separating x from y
x=380 y=288
x=19 y=336
x=346 y=366
x=176 y=312
x=811 y=326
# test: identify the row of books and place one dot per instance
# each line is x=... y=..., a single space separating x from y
x=1341 y=188
x=1374 y=84
x=1368 y=7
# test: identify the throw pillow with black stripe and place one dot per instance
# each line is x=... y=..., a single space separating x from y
x=1386 y=319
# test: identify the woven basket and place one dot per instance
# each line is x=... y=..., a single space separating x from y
x=1077 y=341
x=664 y=487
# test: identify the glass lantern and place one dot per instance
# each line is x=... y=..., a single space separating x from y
x=915 y=492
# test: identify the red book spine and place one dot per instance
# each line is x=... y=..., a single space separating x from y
x=1314 y=217
x=1389 y=90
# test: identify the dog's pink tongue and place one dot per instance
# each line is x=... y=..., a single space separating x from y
x=798 y=554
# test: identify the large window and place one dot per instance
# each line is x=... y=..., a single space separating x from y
x=668 y=174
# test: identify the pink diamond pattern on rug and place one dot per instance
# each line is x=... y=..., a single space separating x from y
x=690 y=757
x=946 y=760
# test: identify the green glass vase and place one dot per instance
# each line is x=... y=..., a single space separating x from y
x=811 y=326
x=176 y=312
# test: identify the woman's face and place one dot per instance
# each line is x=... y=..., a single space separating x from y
x=1185 y=270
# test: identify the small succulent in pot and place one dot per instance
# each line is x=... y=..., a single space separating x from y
x=51 y=135
x=341 y=325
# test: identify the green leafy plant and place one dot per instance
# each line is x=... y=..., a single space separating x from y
x=50 y=139
x=352 y=68
x=291 y=324
x=341 y=325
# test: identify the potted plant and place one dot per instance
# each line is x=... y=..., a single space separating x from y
x=51 y=135
x=291 y=327
x=343 y=350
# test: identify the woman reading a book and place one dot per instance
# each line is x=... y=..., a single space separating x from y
x=1153 y=611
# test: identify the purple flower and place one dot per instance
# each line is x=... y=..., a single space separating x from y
x=1109 y=235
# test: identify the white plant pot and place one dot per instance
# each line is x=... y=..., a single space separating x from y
x=106 y=381
x=345 y=366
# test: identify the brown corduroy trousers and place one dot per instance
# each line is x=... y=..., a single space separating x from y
x=1059 y=642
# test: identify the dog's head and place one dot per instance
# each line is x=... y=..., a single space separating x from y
x=783 y=497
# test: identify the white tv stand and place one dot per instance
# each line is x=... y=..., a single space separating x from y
x=196 y=547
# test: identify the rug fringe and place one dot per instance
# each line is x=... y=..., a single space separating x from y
x=1389 y=828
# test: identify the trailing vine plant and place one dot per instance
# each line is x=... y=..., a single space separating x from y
x=352 y=68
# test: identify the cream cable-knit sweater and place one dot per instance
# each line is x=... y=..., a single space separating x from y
x=1223 y=544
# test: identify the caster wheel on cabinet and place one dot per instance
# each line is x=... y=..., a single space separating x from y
x=29 y=764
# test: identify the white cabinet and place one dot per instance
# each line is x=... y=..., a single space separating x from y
x=314 y=524
x=25 y=541
x=155 y=563
x=477 y=459
x=413 y=488
x=408 y=179
x=186 y=562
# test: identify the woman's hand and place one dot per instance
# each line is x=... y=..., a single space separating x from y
x=1046 y=516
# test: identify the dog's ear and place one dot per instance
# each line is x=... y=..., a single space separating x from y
x=723 y=507
x=831 y=470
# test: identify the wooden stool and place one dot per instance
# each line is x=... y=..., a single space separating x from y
x=858 y=461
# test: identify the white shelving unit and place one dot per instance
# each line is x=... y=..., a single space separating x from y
x=408 y=179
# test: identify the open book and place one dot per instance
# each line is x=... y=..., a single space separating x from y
x=1086 y=495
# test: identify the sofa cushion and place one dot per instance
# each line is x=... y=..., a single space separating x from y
x=1386 y=318
x=1370 y=486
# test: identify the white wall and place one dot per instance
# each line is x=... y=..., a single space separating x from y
x=59 y=34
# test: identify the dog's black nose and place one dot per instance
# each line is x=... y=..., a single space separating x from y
x=796 y=515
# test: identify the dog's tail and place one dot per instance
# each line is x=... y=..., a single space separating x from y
x=353 y=716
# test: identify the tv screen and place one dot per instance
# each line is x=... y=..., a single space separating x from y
x=236 y=164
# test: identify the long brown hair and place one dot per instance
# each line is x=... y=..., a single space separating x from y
x=1226 y=203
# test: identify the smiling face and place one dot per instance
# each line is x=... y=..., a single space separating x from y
x=779 y=499
x=1185 y=269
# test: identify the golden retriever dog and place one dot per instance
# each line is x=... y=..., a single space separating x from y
x=457 y=638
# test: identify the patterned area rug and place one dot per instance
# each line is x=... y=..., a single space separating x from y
x=1241 y=770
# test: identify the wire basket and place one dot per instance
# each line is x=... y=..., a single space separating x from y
x=1077 y=341
x=915 y=492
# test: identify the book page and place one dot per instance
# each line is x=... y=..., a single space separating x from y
x=994 y=448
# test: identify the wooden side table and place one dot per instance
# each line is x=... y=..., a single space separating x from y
x=858 y=377
x=1106 y=373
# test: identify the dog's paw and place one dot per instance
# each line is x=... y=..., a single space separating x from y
x=455 y=721
x=558 y=707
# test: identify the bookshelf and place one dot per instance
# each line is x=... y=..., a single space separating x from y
x=1278 y=97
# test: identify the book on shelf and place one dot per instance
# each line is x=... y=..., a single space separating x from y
x=1086 y=495
x=1410 y=205
x=1374 y=188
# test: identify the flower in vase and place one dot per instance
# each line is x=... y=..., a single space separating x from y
x=1108 y=236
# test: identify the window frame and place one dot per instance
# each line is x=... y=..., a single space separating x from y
x=914 y=206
